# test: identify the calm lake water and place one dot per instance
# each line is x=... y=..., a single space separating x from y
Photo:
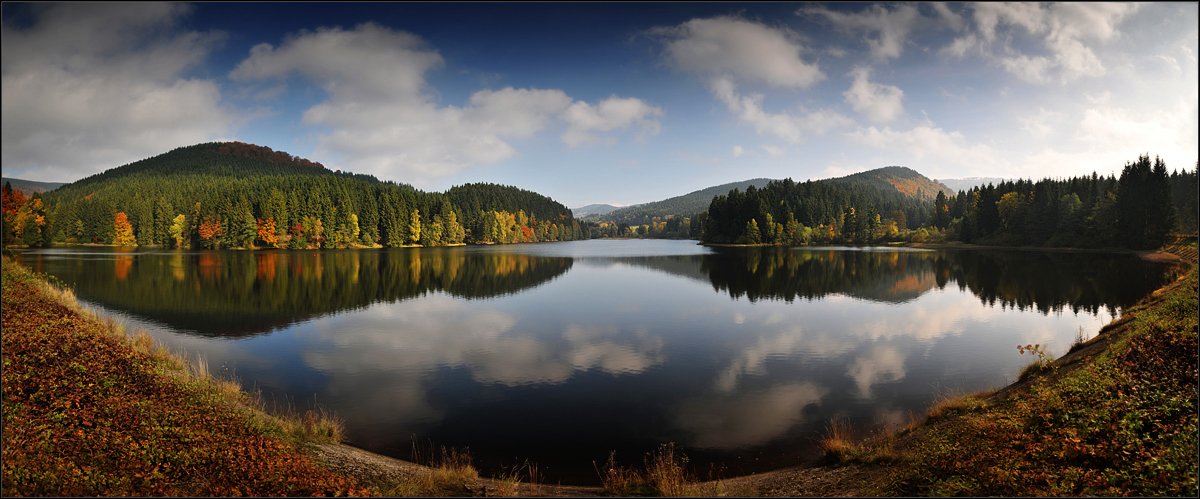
x=559 y=353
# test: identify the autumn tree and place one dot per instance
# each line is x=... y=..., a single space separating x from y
x=266 y=232
x=123 y=230
x=178 y=229
x=414 y=227
x=210 y=231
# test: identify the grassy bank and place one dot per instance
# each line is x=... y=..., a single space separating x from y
x=1116 y=416
x=90 y=410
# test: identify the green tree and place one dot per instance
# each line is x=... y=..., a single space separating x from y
x=752 y=235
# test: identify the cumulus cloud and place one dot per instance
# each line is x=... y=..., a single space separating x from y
x=384 y=120
x=886 y=31
x=610 y=114
x=950 y=149
x=1064 y=30
x=876 y=102
x=738 y=151
x=786 y=126
x=733 y=46
x=91 y=86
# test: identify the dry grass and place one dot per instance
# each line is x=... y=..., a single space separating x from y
x=838 y=442
x=664 y=475
x=954 y=402
x=509 y=481
x=451 y=474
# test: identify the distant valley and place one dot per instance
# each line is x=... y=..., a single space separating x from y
x=29 y=187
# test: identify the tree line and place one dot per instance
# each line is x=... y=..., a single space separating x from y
x=235 y=195
x=1138 y=210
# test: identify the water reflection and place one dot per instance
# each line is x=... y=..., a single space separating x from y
x=560 y=353
x=234 y=294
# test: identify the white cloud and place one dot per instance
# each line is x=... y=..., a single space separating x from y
x=952 y=19
x=878 y=103
x=729 y=45
x=1029 y=69
x=609 y=114
x=738 y=151
x=886 y=31
x=385 y=122
x=961 y=46
x=1064 y=31
x=773 y=151
x=789 y=127
x=1157 y=131
x=1042 y=125
x=950 y=149
x=89 y=87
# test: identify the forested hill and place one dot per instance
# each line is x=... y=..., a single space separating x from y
x=236 y=195
x=686 y=205
x=904 y=180
x=228 y=159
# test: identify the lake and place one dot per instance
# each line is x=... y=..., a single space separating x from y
x=559 y=353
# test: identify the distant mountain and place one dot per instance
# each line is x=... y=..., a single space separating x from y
x=904 y=180
x=28 y=187
x=963 y=184
x=685 y=205
x=593 y=209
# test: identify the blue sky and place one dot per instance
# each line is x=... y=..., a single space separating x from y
x=616 y=103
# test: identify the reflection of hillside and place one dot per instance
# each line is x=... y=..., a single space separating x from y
x=1055 y=281
x=780 y=273
x=687 y=266
x=1043 y=280
x=240 y=293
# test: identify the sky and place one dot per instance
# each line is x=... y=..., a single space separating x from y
x=618 y=103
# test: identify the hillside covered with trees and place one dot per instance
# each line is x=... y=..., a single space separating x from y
x=860 y=208
x=236 y=195
x=1138 y=210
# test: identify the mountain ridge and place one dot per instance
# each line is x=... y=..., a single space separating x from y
x=902 y=179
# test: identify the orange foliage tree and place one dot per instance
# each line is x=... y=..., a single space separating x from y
x=123 y=231
x=211 y=231
x=266 y=232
